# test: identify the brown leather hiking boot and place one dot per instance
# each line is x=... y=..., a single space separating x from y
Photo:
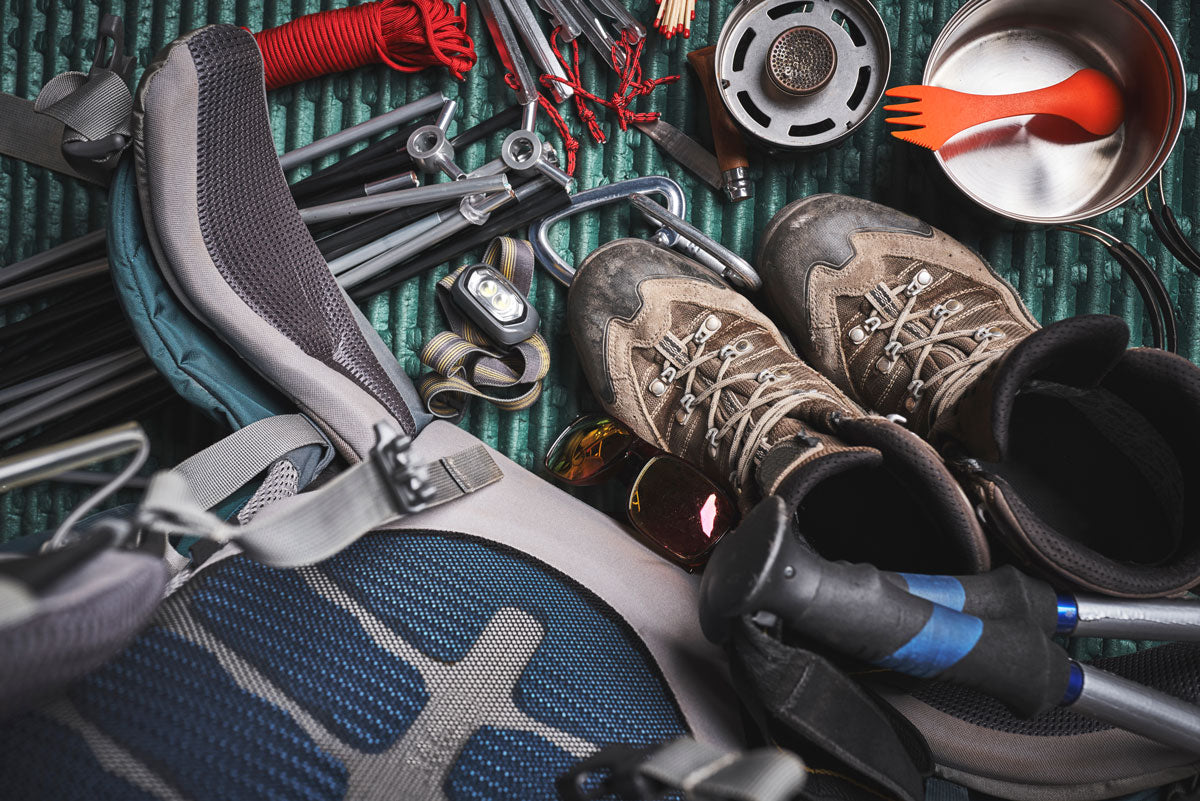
x=1078 y=452
x=693 y=367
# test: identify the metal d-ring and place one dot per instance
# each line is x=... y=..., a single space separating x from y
x=589 y=199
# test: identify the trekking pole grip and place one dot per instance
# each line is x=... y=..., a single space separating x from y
x=858 y=611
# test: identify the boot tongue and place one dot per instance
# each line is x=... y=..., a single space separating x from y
x=804 y=460
x=1076 y=352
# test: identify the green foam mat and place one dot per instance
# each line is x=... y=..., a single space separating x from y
x=1057 y=274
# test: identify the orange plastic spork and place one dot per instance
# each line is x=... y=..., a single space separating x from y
x=1088 y=98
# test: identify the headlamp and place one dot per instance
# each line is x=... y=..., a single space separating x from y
x=491 y=302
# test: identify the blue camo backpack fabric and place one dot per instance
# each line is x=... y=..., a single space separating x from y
x=409 y=666
x=421 y=663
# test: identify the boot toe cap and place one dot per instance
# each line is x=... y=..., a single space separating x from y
x=609 y=285
x=818 y=229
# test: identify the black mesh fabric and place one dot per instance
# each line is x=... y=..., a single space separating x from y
x=267 y=257
x=1174 y=669
x=81 y=621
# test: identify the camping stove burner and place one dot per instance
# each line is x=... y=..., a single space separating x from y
x=801 y=60
x=799 y=75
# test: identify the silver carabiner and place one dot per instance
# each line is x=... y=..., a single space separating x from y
x=539 y=232
x=677 y=233
x=673 y=231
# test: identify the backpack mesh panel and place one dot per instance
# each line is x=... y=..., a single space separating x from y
x=412 y=665
x=268 y=257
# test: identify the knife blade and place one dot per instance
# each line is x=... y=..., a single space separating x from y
x=685 y=150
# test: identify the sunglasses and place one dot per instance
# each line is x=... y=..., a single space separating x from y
x=680 y=511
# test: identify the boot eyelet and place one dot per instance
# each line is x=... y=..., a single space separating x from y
x=743 y=346
x=872 y=323
x=919 y=282
x=884 y=365
x=687 y=402
x=766 y=376
x=892 y=350
x=713 y=447
x=915 y=389
x=668 y=374
x=984 y=334
x=658 y=388
x=727 y=352
x=857 y=335
x=710 y=326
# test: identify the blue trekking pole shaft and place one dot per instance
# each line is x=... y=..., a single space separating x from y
x=866 y=614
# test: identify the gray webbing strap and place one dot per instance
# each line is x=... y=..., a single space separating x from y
x=86 y=116
x=226 y=466
x=90 y=105
x=315 y=525
x=37 y=138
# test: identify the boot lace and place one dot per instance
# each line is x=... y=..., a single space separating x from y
x=742 y=432
x=946 y=383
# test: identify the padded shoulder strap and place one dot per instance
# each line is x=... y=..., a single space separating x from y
x=312 y=526
x=230 y=242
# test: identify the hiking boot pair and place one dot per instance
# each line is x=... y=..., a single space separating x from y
x=1076 y=452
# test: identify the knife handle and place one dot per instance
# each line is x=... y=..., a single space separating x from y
x=727 y=139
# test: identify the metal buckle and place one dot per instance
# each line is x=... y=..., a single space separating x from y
x=409 y=483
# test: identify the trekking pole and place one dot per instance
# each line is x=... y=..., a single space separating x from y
x=867 y=614
x=1007 y=593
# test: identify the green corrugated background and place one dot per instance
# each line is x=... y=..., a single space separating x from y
x=1056 y=273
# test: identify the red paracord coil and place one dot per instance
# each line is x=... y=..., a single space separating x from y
x=407 y=35
x=631 y=85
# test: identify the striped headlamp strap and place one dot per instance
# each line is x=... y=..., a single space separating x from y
x=466 y=362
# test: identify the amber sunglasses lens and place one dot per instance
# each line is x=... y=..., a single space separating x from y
x=588 y=450
x=680 y=509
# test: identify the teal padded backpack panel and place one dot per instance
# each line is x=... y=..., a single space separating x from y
x=198 y=366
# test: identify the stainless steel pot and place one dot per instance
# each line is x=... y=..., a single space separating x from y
x=1042 y=169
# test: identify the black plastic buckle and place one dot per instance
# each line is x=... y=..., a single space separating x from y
x=83 y=153
x=111 y=29
x=611 y=771
x=408 y=482
x=96 y=149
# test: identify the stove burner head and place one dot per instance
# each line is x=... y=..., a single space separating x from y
x=801 y=60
